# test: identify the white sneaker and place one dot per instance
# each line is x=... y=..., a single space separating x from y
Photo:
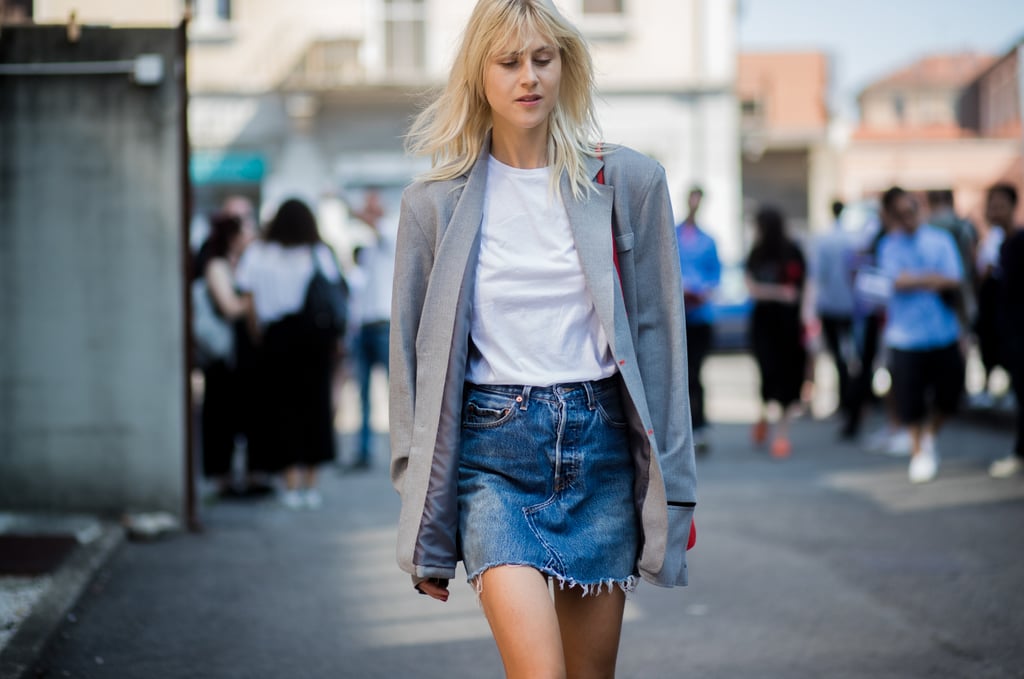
x=1006 y=467
x=312 y=498
x=924 y=466
x=292 y=499
x=899 y=444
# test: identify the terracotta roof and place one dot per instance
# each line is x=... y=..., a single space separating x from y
x=792 y=87
x=940 y=70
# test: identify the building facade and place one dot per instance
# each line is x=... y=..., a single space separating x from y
x=312 y=98
x=944 y=122
x=787 y=160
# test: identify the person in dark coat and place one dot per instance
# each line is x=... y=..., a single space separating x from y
x=776 y=272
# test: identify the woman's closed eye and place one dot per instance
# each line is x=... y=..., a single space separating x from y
x=515 y=64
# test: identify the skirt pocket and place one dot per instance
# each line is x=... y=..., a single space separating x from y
x=482 y=409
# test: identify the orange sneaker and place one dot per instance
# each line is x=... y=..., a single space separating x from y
x=781 y=448
x=759 y=433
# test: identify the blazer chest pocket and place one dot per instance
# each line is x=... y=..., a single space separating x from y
x=624 y=242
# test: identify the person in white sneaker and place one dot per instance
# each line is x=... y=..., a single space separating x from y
x=922 y=330
x=1002 y=200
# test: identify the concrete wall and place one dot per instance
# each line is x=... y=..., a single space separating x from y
x=92 y=386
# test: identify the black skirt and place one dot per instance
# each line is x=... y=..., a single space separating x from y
x=294 y=421
x=777 y=341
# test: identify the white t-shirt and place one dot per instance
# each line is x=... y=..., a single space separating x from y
x=278 y=276
x=533 y=318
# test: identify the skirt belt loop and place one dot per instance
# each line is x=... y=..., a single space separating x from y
x=524 y=398
x=591 y=397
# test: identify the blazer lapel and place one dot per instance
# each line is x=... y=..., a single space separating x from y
x=457 y=245
x=591 y=222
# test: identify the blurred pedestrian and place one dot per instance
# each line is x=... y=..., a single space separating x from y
x=1011 y=264
x=222 y=409
x=922 y=330
x=776 y=273
x=999 y=220
x=245 y=368
x=296 y=361
x=942 y=214
x=872 y=293
x=833 y=263
x=242 y=207
x=539 y=420
x=371 y=313
x=702 y=273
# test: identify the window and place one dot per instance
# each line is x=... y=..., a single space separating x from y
x=211 y=11
x=211 y=19
x=404 y=38
x=899 y=107
x=750 y=107
x=604 y=19
x=602 y=6
x=752 y=113
x=15 y=11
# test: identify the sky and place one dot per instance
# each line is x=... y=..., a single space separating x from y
x=869 y=38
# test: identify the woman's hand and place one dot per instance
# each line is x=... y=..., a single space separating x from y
x=434 y=588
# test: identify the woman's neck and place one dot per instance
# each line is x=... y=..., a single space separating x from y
x=524 y=149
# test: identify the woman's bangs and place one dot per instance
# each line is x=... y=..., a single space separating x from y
x=524 y=29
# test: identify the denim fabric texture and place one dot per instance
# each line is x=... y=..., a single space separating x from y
x=546 y=480
x=372 y=347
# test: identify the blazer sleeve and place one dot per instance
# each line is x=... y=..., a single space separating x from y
x=414 y=257
x=661 y=343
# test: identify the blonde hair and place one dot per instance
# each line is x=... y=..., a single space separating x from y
x=453 y=128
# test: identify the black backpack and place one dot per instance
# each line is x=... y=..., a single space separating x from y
x=326 y=306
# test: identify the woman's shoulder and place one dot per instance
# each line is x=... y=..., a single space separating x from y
x=629 y=161
x=422 y=192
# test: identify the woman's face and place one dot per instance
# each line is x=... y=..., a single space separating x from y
x=522 y=86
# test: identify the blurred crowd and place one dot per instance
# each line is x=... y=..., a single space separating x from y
x=273 y=356
x=911 y=294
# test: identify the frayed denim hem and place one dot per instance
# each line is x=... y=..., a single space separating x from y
x=627 y=585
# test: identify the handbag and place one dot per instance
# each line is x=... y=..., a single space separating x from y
x=326 y=305
x=213 y=337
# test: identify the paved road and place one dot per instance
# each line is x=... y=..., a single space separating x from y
x=825 y=565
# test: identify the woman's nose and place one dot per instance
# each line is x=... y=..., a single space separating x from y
x=528 y=74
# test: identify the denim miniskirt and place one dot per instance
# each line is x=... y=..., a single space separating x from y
x=546 y=481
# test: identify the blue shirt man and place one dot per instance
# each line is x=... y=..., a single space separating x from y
x=918 y=318
x=701 y=274
x=702 y=270
x=921 y=330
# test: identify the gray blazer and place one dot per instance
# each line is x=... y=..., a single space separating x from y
x=642 y=316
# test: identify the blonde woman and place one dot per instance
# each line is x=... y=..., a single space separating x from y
x=540 y=425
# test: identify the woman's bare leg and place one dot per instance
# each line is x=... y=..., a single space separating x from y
x=521 y=614
x=590 y=629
